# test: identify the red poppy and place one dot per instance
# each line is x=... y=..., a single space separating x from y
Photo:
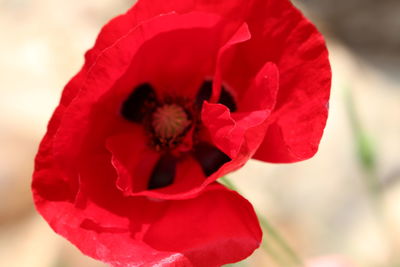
x=174 y=95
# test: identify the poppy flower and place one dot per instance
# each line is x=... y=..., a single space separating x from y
x=173 y=96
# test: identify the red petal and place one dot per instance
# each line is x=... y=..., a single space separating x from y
x=141 y=12
x=231 y=235
x=241 y=35
x=187 y=48
x=282 y=35
x=132 y=158
x=188 y=176
x=142 y=231
x=243 y=131
x=229 y=133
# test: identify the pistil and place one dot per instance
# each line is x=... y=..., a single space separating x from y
x=169 y=121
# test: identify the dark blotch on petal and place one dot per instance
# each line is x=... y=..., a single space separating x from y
x=203 y=94
x=164 y=172
x=135 y=106
x=209 y=157
x=227 y=99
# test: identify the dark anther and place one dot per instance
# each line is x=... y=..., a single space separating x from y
x=135 y=105
x=209 y=157
x=203 y=94
x=164 y=172
x=227 y=99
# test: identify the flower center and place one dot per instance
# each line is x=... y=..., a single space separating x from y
x=169 y=121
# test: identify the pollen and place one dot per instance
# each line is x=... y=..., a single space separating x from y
x=169 y=121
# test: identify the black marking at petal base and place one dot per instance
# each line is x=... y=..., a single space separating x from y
x=227 y=99
x=138 y=101
x=209 y=157
x=204 y=93
x=164 y=172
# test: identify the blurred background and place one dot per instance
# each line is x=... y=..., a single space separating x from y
x=344 y=202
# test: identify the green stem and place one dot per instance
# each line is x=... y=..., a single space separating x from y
x=365 y=150
x=274 y=234
x=228 y=183
x=292 y=255
x=367 y=157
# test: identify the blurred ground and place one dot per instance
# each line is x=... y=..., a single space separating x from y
x=320 y=205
